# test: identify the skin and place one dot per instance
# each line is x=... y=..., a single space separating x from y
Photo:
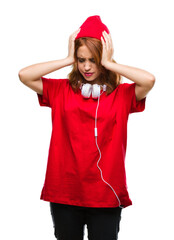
x=143 y=79
x=31 y=75
x=86 y=64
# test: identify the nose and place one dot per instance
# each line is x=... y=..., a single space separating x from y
x=87 y=66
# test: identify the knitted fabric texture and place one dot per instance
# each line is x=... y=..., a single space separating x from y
x=92 y=27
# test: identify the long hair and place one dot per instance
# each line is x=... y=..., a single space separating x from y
x=109 y=78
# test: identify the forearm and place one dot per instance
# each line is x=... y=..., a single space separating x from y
x=139 y=76
x=35 y=71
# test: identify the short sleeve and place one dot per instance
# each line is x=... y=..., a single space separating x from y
x=130 y=97
x=51 y=88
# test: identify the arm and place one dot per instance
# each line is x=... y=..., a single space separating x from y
x=35 y=71
x=31 y=75
x=143 y=79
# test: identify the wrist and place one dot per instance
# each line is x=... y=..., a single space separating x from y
x=107 y=64
x=69 y=60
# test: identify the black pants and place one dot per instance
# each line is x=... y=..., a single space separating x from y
x=69 y=222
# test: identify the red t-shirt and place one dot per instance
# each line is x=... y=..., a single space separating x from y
x=72 y=175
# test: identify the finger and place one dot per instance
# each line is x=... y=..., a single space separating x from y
x=103 y=44
x=109 y=43
x=78 y=31
x=102 y=40
x=104 y=37
x=74 y=35
x=111 y=40
x=108 y=39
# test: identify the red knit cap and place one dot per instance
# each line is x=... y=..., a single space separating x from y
x=92 y=27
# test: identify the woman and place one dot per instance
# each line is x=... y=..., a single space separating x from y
x=85 y=180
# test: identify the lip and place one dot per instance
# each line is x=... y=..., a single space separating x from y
x=88 y=74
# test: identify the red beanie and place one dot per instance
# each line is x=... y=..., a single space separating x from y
x=92 y=27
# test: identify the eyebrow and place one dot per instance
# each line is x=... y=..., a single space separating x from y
x=85 y=58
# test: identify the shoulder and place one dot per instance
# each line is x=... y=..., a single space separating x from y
x=55 y=79
x=53 y=82
x=126 y=88
x=126 y=85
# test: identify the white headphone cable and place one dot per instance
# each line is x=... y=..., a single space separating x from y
x=95 y=133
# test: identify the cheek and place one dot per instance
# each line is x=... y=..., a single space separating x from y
x=79 y=66
x=97 y=70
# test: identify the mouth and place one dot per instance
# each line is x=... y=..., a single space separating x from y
x=88 y=74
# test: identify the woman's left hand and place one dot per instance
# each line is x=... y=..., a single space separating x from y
x=107 y=49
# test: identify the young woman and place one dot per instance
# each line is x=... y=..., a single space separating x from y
x=85 y=180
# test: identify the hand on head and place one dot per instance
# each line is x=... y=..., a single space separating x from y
x=108 y=49
x=71 y=45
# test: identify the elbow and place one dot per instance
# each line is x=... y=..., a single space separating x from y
x=151 y=81
x=20 y=75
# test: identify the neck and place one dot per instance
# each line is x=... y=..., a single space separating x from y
x=95 y=81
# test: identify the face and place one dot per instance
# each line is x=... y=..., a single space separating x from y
x=86 y=64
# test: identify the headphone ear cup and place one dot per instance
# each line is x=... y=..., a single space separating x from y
x=95 y=91
x=86 y=90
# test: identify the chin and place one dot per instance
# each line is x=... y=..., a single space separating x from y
x=91 y=80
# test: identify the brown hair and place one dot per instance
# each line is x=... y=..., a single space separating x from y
x=109 y=78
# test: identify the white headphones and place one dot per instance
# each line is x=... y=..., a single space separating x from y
x=87 y=89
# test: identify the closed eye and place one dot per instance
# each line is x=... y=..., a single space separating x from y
x=81 y=60
x=92 y=60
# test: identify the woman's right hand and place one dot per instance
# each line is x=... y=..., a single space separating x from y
x=71 y=46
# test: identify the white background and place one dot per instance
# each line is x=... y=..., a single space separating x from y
x=38 y=31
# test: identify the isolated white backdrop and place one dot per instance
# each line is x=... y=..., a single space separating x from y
x=38 y=31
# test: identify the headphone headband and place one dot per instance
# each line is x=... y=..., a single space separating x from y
x=87 y=89
x=102 y=86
